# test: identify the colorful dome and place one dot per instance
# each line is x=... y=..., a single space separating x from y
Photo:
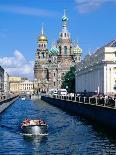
x=64 y=18
x=77 y=50
x=42 y=38
x=54 y=51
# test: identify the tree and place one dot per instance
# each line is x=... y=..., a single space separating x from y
x=69 y=80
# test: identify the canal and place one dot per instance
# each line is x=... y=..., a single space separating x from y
x=67 y=134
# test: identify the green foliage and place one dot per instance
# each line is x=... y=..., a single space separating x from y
x=69 y=80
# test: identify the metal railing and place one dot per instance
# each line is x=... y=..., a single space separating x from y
x=97 y=101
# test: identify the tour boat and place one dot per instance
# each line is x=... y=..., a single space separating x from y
x=34 y=127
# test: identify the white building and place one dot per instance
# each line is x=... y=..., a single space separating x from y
x=20 y=84
x=6 y=83
x=26 y=86
x=97 y=72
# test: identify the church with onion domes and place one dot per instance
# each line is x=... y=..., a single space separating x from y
x=52 y=64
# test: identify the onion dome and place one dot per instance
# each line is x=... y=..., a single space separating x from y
x=77 y=50
x=42 y=38
x=64 y=18
x=54 y=51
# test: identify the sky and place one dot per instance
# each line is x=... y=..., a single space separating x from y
x=91 y=22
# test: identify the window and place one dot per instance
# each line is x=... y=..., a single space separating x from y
x=65 y=34
x=54 y=74
x=61 y=34
x=115 y=53
x=54 y=83
x=60 y=49
x=65 y=50
x=42 y=55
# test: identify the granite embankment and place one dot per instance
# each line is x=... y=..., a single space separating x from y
x=102 y=115
x=5 y=103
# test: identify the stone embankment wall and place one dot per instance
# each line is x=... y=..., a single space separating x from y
x=4 y=104
x=100 y=114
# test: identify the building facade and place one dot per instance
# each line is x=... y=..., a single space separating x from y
x=51 y=65
x=20 y=84
x=6 y=83
x=26 y=86
x=1 y=80
x=14 y=83
x=97 y=72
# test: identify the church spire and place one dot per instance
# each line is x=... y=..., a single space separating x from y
x=65 y=12
x=42 y=29
x=64 y=22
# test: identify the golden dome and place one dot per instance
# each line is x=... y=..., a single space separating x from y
x=42 y=38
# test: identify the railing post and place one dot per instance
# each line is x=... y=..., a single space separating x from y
x=96 y=101
x=115 y=103
x=84 y=99
x=89 y=100
x=75 y=97
x=79 y=98
x=105 y=101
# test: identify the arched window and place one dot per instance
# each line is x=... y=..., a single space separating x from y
x=65 y=50
x=42 y=55
x=60 y=49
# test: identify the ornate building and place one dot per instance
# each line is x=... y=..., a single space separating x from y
x=51 y=65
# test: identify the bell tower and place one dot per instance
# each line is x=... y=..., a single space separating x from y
x=64 y=41
x=40 y=69
x=42 y=51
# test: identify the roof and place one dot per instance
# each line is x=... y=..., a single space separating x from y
x=111 y=44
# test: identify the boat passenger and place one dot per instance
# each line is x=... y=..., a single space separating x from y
x=26 y=122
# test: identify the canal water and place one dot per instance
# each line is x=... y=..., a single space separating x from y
x=67 y=134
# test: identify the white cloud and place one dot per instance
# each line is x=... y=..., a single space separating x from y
x=27 y=10
x=85 y=6
x=17 y=65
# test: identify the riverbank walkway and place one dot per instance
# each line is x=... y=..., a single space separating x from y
x=6 y=102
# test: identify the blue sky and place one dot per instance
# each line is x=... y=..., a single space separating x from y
x=91 y=22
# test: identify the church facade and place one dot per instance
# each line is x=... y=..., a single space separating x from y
x=51 y=65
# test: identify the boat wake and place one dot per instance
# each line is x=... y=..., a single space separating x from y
x=28 y=134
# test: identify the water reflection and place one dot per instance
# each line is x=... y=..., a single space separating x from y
x=37 y=141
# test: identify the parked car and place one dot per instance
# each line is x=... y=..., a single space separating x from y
x=62 y=92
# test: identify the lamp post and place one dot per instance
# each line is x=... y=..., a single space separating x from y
x=66 y=87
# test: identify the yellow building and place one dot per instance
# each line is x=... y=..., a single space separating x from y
x=14 y=82
x=19 y=84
